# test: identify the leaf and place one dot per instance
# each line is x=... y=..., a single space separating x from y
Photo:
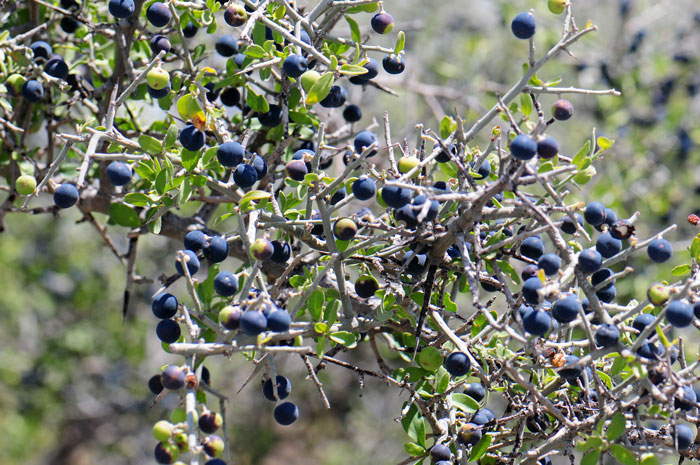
x=649 y=459
x=137 y=199
x=344 y=338
x=368 y=8
x=593 y=442
x=257 y=102
x=413 y=449
x=581 y=155
x=354 y=29
x=430 y=358
x=414 y=425
x=448 y=304
x=400 y=42
x=352 y=70
x=447 y=127
x=254 y=51
x=480 y=448
x=189 y=108
x=442 y=380
x=604 y=143
x=680 y=270
x=189 y=159
x=526 y=104
x=616 y=427
x=123 y=215
x=624 y=456
x=695 y=248
x=150 y=145
x=315 y=304
x=591 y=458
x=320 y=89
x=321 y=346
x=464 y=402
x=170 y=137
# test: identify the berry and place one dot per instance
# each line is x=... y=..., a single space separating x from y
x=569 y=371
x=230 y=318
x=550 y=263
x=363 y=140
x=523 y=25
x=226 y=45
x=154 y=385
x=476 y=391
x=600 y=276
x=272 y=118
x=69 y=25
x=192 y=138
x=338 y=195
x=345 y=229
x=25 y=184
x=235 y=15
x=282 y=252
x=158 y=14
x=190 y=30
x=480 y=419
x=215 y=249
x=406 y=164
x=530 y=271
x=209 y=422
x=212 y=92
x=417 y=208
x=65 y=196
x=484 y=170
x=607 y=335
x=192 y=263
x=286 y=413
x=164 y=305
x=41 y=49
x=253 y=322
x=262 y=249
x=352 y=114
x=457 y=364
x=470 y=433
x=230 y=154
x=32 y=91
x=230 y=96
x=279 y=321
x=119 y=173
x=589 y=260
x=165 y=452
x=382 y=22
x=395 y=196
x=556 y=6
x=56 y=67
x=532 y=247
x=295 y=65
x=296 y=169
x=213 y=445
x=607 y=245
x=523 y=147
x=366 y=286
x=364 y=188
x=530 y=288
x=568 y=225
x=537 y=322
x=658 y=294
x=621 y=229
x=168 y=331
x=173 y=378
x=372 y=68
x=607 y=295
x=567 y=309
x=309 y=78
x=163 y=430
x=393 y=64
x=562 y=110
x=659 y=250
x=225 y=283
x=158 y=94
x=595 y=213
x=440 y=452
x=245 y=175
x=679 y=313
x=490 y=416
x=547 y=148
x=610 y=219
x=194 y=240
x=444 y=157
x=415 y=263
x=683 y=436
x=336 y=98
x=121 y=9
x=685 y=398
x=650 y=351
x=284 y=388
x=160 y=43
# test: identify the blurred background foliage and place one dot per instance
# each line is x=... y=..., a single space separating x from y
x=73 y=374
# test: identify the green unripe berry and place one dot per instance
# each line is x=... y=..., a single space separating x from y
x=16 y=81
x=406 y=164
x=158 y=78
x=162 y=430
x=557 y=6
x=213 y=446
x=430 y=358
x=658 y=294
x=25 y=184
x=180 y=440
x=309 y=78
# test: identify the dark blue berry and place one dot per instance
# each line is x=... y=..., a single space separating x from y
x=607 y=295
x=336 y=97
x=550 y=263
x=260 y=166
x=164 y=305
x=194 y=240
x=393 y=64
x=253 y=322
x=679 y=313
x=440 y=452
x=363 y=140
x=158 y=93
x=607 y=335
x=364 y=188
x=352 y=114
x=382 y=22
x=32 y=91
x=279 y=321
x=158 y=14
x=230 y=96
x=65 y=196
x=607 y=245
x=173 y=378
x=215 y=249
x=530 y=288
x=523 y=25
x=600 y=276
x=192 y=263
x=225 y=283
x=272 y=118
x=395 y=196
x=457 y=364
x=119 y=173
x=567 y=309
x=286 y=413
x=41 y=49
x=282 y=252
x=295 y=65
x=532 y=247
x=168 y=331
x=284 y=388
x=643 y=320
x=547 y=148
x=569 y=371
x=568 y=225
x=684 y=436
x=415 y=263
x=192 y=138
x=476 y=391
x=230 y=154
x=338 y=195
x=594 y=213
x=523 y=147
x=121 y=9
x=589 y=260
x=245 y=175
x=226 y=45
x=56 y=67
x=659 y=250
x=160 y=43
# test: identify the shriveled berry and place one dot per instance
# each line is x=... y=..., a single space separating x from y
x=562 y=110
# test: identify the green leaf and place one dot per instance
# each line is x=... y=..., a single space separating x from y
x=414 y=425
x=581 y=155
x=593 y=442
x=480 y=448
x=464 y=402
x=649 y=459
x=257 y=102
x=354 y=29
x=680 y=270
x=604 y=143
x=591 y=458
x=430 y=358
x=616 y=427
x=189 y=108
x=448 y=304
x=526 y=104
x=624 y=456
x=137 y=199
x=150 y=145
x=442 y=380
x=352 y=70
x=695 y=248
x=320 y=89
x=447 y=127
x=315 y=304
x=124 y=215
x=189 y=159
x=413 y=449
x=400 y=42
x=344 y=338
x=255 y=51
x=170 y=137
x=368 y=8
x=321 y=346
